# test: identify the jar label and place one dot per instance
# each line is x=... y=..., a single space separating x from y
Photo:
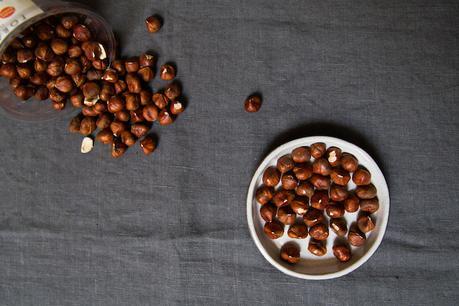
x=15 y=12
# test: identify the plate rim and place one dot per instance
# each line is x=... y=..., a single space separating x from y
x=251 y=225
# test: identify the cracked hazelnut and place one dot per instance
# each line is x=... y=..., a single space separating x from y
x=176 y=107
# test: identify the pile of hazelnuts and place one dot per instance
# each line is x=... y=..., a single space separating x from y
x=317 y=191
x=58 y=59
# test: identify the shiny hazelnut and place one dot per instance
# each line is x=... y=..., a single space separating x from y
x=298 y=231
x=116 y=104
x=40 y=66
x=365 y=223
x=139 y=129
x=290 y=253
x=153 y=23
x=24 y=92
x=167 y=72
x=319 y=231
x=64 y=84
x=150 y=113
x=133 y=83
x=160 y=100
x=145 y=97
x=44 y=31
x=301 y=154
x=253 y=104
x=355 y=237
x=165 y=118
x=137 y=116
x=289 y=181
x=318 y=149
x=120 y=87
x=62 y=32
x=366 y=192
x=58 y=105
x=89 y=111
x=81 y=33
x=351 y=204
x=173 y=91
x=42 y=93
x=75 y=123
x=335 y=210
x=51 y=83
x=176 y=107
x=286 y=215
x=39 y=78
x=55 y=67
x=339 y=226
x=118 y=148
x=119 y=66
x=107 y=91
x=285 y=163
x=319 y=199
x=99 y=64
x=104 y=121
x=86 y=65
x=333 y=155
x=321 y=166
x=72 y=67
x=264 y=194
x=283 y=197
x=317 y=247
x=24 y=71
x=320 y=182
x=361 y=177
x=370 y=205
x=132 y=64
x=305 y=189
x=123 y=115
x=110 y=76
x=132 y=101
x=338 y=193
x=91 y=90
x=303 y=171
x=56 y=96
x=299 y=205
x=271 y=177
x=8 y=71
x=59 y=46
x=273 y=230
x=128 y=138
x=268 y=212
x=148 y=145
x=79 y=79
x=24 y=56
x=147 y=60
x=146 y=73
x=69 y=21
x=74 y=51
x=29 y=41
x=100 y=107
x=117 y=127
x=88 y=125
x=340 y=176
x=313 y=216
x=342 y=252
x=349 y=162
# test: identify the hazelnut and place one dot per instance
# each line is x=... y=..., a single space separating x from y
x=8 y=71
x=137 y=116
x=369 y=205
x=24 y=56
x=318 y=149
x=335 y=210
x=29 y=41
x=74 y=51
x=91 y=90
x=139 y=129
x=146 y=73
x=313 y=216
x=340 y=176
x=150 y=113
x=120 y=87
x=264 y=194
x=153 y=23
x=119 y=66
x=301 y=154
x=100 y=107
x=317 y=247
x=319 y=231
x=303 y=171
x=145 y=97
x=289 y=181
x=39 y=78
x=81 y=33
x=351 y=204
x=77 y=100
x=105 y=136
x=123 y=115
x=299 y=205
x=58 y=105
x=298 y=231
x=79 y=79
x=132 y=64
x=117 y=127
x=107 y=91
x=86 y=64
x=271 y=177
x=24 y=71
x=334 y=156
x=321 y=166
x=148 y=145
x=104 y=121
x=62 y=32
x=268 y=212
x=115 y=104
x=59 y=46
x=42 y=93
x=283 y=197
x=176 y=107
x=75 y=123
x=56 y=96
x=88 y=125
x=273 y=230
x=133 y=83
x=64 y=84
x=118 y=148
x=338 y=193
x=338 y=225
x=342 y=252
x=361 y=177
x=355 y=237
x=24 y=92
x=8 y=57
x=110 y=76
x=147 y=60
x=69 y=21
x=55 y=67
x=173 y=91
x=366 y=192
x=286 y=215
x=99 y=64
x=349 y=162
x=285 y=163
x=305 y=189
x=132 y=101
x=40 y=66
x=252 y=104
x=127 y=138
x=319 y=199
x=160 y=100
x=167 y=72
x=72 y=67
x=365 y=223
x=290 y=253
x=320 y=182
x=165 y=118
x=44 y=31
x=15 y=82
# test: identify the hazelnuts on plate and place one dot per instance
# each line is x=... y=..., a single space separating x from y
x=326 y=196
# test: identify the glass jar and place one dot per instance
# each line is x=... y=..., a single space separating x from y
x=15 y=17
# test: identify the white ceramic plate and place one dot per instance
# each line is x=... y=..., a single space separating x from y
x=310 y=266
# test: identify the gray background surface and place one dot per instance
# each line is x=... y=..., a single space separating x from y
x=171 y=228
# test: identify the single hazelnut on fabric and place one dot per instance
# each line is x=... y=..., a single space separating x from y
x=268 y=212
x=173 y=91
x=286 y=215
x=298 y=231
x=305 y=189
x=285 y=163
x=271 y=177
x=366 y=192
x=317 y=247
x=349 y=162
x=361 y=177
x=301 y=154
x=283 y=197
x=369 y=205
x=167 y=72
x=342 y=252
x=290 y=253
x=321 y=166
x=153 y=23
x=318 y=149
x=252 y=104
x=289 y=181
x=319 y=231
x=273 y=230
x=338 y=226
x=313 y=216
x=264 y=194
x=176 y=107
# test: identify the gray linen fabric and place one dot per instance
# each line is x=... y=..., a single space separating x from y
x=171 y=228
